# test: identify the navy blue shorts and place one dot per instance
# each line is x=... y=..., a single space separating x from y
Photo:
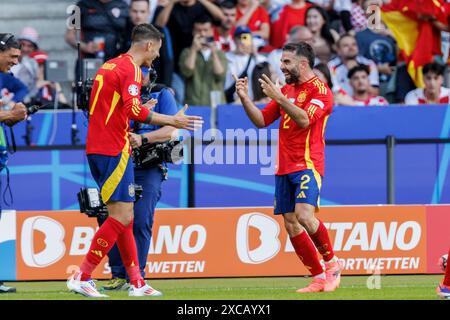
x=297 y=187
x=114 y=176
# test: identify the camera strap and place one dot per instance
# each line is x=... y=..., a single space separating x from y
x=8 y=189
x=12 y=148
x=7 y=148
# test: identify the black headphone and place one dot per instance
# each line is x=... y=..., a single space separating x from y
x=152 y=76
x=4 y=40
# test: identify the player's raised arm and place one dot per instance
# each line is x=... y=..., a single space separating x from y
x=179 y=120
x=253 y=112
x=272 y=91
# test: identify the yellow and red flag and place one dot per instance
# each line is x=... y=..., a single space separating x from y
x=416 y=38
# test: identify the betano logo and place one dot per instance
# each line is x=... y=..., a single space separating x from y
x=348 y=236
x=405 y=236
x=268 y=228
x=54 y=242
x=170 y=239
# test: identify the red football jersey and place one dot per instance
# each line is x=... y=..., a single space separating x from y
x=258 y=18
x=300 y=149
x=283 y=21
x=115 y=99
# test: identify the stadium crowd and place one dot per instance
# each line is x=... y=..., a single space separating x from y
x=207 y=41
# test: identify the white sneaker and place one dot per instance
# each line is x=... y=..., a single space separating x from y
x=85 y=288
x=144 y=291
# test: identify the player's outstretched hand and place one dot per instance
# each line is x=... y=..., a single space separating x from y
x=241 y=86
x=183 y=121
x=150 y=104
x=270 y=89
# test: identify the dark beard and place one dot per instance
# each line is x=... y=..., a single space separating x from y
x=293 y=78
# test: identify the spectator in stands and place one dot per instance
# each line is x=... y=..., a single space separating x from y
x=340 y=96
x=241 y=62
x=139 y=12
x=338 y=11
x=296 y=35
x=324 y=37
x=358 y=17
x=377 y=44
x=202 y=65
x=27 y=69
x=274 y=6
x=103 y=23
x=250 y=13
x=359 y=81
x=12 y=90
x=179 y=17
x=223 y=34
x=259 y=97
x=46 y=90
x=347 y=58
x=290 y=15
x=434 y=92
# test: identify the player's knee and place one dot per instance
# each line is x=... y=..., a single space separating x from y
x=292 y=227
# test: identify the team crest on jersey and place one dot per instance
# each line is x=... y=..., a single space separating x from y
x=301 y=97
x=133 y=90
x=131 y=190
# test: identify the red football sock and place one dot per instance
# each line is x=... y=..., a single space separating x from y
x=307 y=253
x=322 y=242
x=128 y=253
x=447 y=273
x=102 y=242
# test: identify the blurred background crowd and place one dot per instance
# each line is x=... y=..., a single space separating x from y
x=370 y=52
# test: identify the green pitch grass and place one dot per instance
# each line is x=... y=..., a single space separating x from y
x=418 y=287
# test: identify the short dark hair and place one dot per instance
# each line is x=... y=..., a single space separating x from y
x=258 y=71
x=145 y=31
x=358 y=68
x=8 y=41
x=345 y=35
x=227 y=4
x=203 y=19
x=302 y=49
x=433 y=67
x=148 y=2
x=323 y=68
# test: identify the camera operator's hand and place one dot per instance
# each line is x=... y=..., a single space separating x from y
x=17 y=114
x=135 y=140
x=182 y=121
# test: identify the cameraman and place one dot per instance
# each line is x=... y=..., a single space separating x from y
x=149 y=178
x=9 y=56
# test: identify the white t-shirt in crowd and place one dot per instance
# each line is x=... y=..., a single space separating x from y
x=417 y=96
x=237 y=64
x=339 y=73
